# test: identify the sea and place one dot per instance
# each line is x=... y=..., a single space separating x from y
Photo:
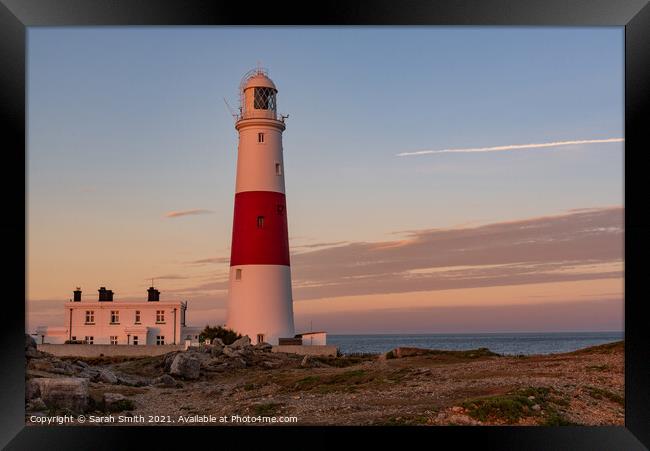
x=501 y=343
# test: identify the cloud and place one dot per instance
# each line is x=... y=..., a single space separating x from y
x=512 y=147
x=582 y=245
x=168 y=277
x=314 y=245
x=204 y=261
x=596 y=315
x=196 y=211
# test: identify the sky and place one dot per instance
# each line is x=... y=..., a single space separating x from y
x=438 y=179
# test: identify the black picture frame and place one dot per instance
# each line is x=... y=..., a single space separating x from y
x=16 y=15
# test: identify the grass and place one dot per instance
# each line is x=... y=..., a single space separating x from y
x=511 y=407
x=345 y=360
x=345 y=381
x=600 y=393
x=403 y=421
x=121 y=405
x=608 y=348
x=266 y=409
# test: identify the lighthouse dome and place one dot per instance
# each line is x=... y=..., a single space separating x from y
x=257 y=95
x=259 y=80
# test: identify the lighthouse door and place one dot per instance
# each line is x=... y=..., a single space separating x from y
x=260 y=338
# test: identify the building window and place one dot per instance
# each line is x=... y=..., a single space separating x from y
x=260 y=222
x=264 y=99
x=115 y=317
x=90 y=317
x=89 y=340
x=160 y=339
x=278 y=169
x=135 y=339
x=238 y=274
x=260 y=338
x=74 y=338
x=160 y=316
x=260 y=137
x=113 y=339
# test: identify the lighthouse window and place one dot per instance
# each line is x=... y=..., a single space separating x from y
x=260 y=137
x=278 y=169
x=264 y=99
x=260 y=222
x=238 y=274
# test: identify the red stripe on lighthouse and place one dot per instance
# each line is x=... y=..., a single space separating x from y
x=259 y=232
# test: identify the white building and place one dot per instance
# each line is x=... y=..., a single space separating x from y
x=313 y=338
x=121 y=323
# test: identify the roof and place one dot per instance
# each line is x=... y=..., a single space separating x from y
x=310 y=333
x=259 y=80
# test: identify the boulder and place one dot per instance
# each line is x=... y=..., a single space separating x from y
x=305 y=362
x=165 y=381
x=32 y=389
x=217 y=342
x=36 y=405
x=265 y=347
x=81 y=363
x=116 y=402
x=132 y=381
x=241 y=343
x=29 y=342
x=107 y=376
x=167 y=363
x=64 y=392
x=185 y=366
x=216 y=351
x=40 y=365
x=230 y=352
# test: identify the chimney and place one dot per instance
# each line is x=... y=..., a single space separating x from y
x=105 y=295
x=77 y=295
x=154 y=295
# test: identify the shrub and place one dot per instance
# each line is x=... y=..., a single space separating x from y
x=228 y=336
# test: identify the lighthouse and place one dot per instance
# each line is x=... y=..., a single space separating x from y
x=260 y=302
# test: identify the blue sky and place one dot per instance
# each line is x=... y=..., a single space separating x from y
x=127 y=124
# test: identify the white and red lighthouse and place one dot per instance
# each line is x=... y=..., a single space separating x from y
x=260 y=303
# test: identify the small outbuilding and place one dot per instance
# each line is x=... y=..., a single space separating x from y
x=313 y=338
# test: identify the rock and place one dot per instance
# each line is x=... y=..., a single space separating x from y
x=107 y=376
x=30 y=343
x=40 y=365
x=32 y=389
x=264 y=347
x=242 y=342
x=531 y=397
x=217 y=342
x=132 y=381
x=536 y=407
x=36 y=405
x=269 y=364
x=32 y=353
x=64 y=392
x=81 y=363
x=216 y=351
x=305 y=362
x=230 y=352
x=167 y=363
x=185 y=366
x=165 y=381
x=457 y=409
x=116 y=402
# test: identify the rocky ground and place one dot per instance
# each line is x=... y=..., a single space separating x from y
x=406 y=386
